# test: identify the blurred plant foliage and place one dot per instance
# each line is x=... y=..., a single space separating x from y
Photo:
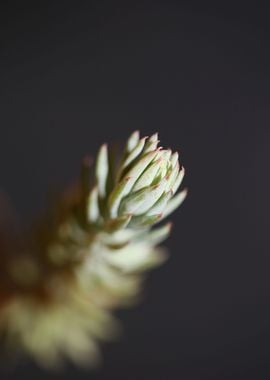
x=60 y=284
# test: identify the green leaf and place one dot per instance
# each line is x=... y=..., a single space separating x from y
x=173 y=173
x=133 y=141
x=161 y=204
x=164 y=164
x=134 y=153
x=136 y=259
x=154 y=137
x=118 y=194
x=135 y=172
x=92 y=207
x=102 y=170
x=153 y=194
x=174 y=203
x=178 y=180
x=118 y=223
x=151 y=143
x=174 y=159
x=167 y=154
x=159 y=234
x=147 y=176
x=144 y=220
x=133 y=201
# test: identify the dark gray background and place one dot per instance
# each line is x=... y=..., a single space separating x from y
x=74 y=75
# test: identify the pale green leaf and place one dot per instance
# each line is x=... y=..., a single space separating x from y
x=118 y=194
x=172 y=176
x=178 y=180
x=153 y=194
x=174 y=159
x=174 y=203
x=93 y=208
x=102 y=170
x=133 y=201
x=147 y=176
x=134 y=153
x=136 y=171
x=160 y=205
x=159 y=234
x=118 y=223
x=144 y=220
x=151 y=143
x=154 y=137
x=133 y=141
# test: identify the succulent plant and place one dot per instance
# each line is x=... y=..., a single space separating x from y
x=57 y=296
x=142 y=191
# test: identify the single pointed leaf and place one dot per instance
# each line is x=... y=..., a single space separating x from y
x=144 y=220
x=136 y=171
x=163 y=156
x=159 y=234
x=147 y=176
x=133 y=201
x=174 y=203
x=118 y=223
x=102 y=170
x=93 y=208
x=161 y=204
x=172 y=176
x=178 y=180
x=118 y=194
x=153 y=194
x=154 y=137
x=151 y=143
x=134 y=153
x=167 y=154
x=137 y=258
x=133 y=141
x=174 y=159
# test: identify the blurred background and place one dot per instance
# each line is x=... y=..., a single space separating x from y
x=76 y=74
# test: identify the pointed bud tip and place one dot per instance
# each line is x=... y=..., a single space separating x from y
x=154 y=137
x=185 y=191
x=136 y=133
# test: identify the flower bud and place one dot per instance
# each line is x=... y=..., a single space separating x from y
x=143 y=187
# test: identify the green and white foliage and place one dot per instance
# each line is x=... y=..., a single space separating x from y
x=142 y=191
x=96 y=257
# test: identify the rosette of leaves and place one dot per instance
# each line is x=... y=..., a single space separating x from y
x=59 y=293
x=142 y=191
